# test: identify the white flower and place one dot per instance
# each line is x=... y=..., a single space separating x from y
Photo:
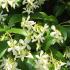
x=29 y=55
x=22 y=54
x=24 y=43
x=31 y=23
x=26 y=23
x=13 y=50
x=40 y=2
x=55 y=31
x=42 y=55
x=42 y=61
x=12 y=43
x=13 y=3
x=39 y=38
x=30 y=1
x=68 y=63
x=56 y=34
x=59 y=64
x=46 y=26
x=27 y=10
x=53 y=27
x=4 y=4
x=12 y=46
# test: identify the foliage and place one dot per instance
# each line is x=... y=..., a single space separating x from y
x=34 y=35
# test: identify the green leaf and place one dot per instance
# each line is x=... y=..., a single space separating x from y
x=39 y=16
x=14 y=30
x=50 y=18
x=17 y=31
x=63 y=31
x=44 y=15
x=25 y=65
x=14 y=19
x=57 y=54
x=67 y=29
x=51 y=66
x=30 y=63
x=59 y=9
x=3 y=48
x=48 y=42
x=53 y=20
x=2 y=29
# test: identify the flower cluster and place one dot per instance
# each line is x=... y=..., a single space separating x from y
x=31 y=5
x=35 y=31
x=6 y=3
x=42 y=61
x=9 y=64
x=19 y=49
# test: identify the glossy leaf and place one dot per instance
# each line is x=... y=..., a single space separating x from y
x=57 y=54
x=14 y=30
x=3 y=48
x=63 y=31
x=59 y=9
x=17 y=31
x=14 y=19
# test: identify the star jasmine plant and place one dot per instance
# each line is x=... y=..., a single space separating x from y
x=34 y=35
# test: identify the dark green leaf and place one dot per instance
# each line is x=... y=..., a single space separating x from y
x=14 y=30
x=39 y=16
x=59 y=9
x=3 y=48
x=67 y=29
x=17 y=31
x=48 y=43
x=53 y=20
x=14 y=19
x=63 y=31
x=57 y=54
